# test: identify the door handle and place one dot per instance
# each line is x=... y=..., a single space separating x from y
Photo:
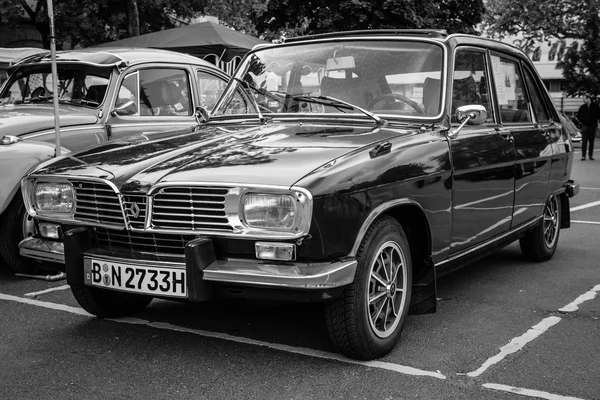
x=505 y=134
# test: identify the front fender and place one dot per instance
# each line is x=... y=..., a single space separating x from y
x=16 y=160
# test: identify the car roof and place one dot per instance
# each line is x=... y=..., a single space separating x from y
x=117 y=56
x=434 y=34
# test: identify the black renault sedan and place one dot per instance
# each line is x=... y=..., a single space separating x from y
x=351 y=168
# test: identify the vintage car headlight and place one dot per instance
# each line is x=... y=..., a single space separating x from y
x=54 y=197
x=275 y=211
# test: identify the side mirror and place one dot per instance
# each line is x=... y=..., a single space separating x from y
x=201 y=115
x=473 y=114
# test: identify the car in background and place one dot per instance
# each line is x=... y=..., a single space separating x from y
x=104 y=95
x=570 y=127
x=351 y=168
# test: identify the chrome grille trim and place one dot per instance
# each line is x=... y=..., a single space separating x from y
x=87 y=208
x=190 y=208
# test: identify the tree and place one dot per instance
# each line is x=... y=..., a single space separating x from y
x=552 y=21
x=89 y=22
x=317 y=16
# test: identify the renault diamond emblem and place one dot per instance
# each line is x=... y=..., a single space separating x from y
x=135 y=210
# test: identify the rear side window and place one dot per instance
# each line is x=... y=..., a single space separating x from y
x=537 y=102
x=512 y=97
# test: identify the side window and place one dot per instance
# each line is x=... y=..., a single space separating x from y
x=512 y=99
x=470 y=83
x=541 y=113
x=210 y=89
x=164 y=92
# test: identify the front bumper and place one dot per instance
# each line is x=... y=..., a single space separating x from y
x=202 y=267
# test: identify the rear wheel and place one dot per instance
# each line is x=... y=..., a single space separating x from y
x=540 y=243
x=366 y=321
x=16 y=225
x=108 y=303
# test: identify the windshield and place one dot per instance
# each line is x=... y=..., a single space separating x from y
x=387 y=77
x=77 y=84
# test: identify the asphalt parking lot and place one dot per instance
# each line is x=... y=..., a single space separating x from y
x=505 y=329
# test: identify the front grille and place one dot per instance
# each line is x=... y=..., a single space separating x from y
x=97 y=202
x=140 y=241
x=190 y=208
x=135 y=208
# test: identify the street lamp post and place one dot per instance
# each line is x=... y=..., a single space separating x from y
x=55 y=93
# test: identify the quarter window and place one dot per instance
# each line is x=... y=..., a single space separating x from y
x=512 y=100
x=210 y=89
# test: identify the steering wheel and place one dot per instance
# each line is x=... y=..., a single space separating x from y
x=392 y=97
x=38 y=92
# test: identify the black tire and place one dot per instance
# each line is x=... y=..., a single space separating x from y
x=540 y=243
x=109 y=303
x=11 y=233
x=348 y=317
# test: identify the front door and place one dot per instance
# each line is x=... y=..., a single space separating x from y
x=483 y=159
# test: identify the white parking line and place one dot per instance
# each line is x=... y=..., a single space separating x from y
x=54 y=289
x=290 y=349
x=585 y=222
x=574 y=306
x=535 y=331
x=583 y=206
x=517 y=344
x=528 y=392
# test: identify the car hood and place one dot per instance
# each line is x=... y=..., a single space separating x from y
x=261 y=155
x=22 y=119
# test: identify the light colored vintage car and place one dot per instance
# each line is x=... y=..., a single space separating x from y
x=105 y=95
x=350 y=168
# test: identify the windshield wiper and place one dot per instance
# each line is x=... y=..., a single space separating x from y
x=246 y=85
x=337 y=103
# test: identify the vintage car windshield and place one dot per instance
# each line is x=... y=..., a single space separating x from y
x=388 y=77
x=78 y=83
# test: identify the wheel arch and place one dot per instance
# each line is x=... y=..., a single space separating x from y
x=415 y=223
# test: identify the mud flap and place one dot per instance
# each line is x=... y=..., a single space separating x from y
x=424 y=289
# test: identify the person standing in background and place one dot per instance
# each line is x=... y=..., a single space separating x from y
x=588 y=115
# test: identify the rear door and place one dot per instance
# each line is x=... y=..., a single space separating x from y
x=524 y=115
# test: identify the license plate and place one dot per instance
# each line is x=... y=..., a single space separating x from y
x=162 y=281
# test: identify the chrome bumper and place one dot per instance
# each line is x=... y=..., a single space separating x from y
x=253 y=272
x=296 y=276
x=43 y=250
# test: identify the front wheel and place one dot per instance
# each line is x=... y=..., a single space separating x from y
x=108 y=303
x=16 y=225
x=366 y=321
x=540 y=243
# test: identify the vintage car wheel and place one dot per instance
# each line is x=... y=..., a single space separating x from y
x=366 y=321
x=540 y=243
x=17 y=225
x=108 y=303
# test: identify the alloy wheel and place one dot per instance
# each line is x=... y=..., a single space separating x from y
x=387 y=289
x=551 y=221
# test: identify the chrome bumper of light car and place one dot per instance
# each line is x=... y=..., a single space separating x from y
x=571 y=188
x=293 y=276
x=43 y=250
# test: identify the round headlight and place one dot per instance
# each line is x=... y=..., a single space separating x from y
x=54 y=197
x=270 y=211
